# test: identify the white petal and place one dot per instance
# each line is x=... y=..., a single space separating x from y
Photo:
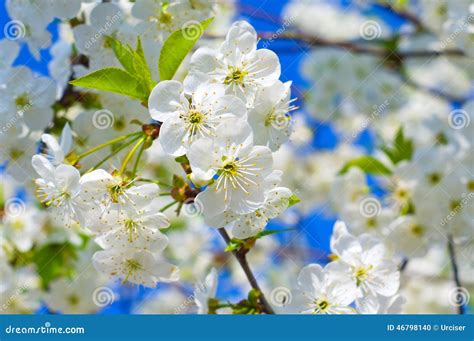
x=43 y=167
x=172 y=136
x=67 y=176
x=166 y=99
x=212 y=202
x=204 y=60
x=311 y=279
x=243 y=36
x=268 y=69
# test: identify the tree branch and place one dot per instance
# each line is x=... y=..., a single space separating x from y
x=454 y=265
x=358 y=48
x=242 y=259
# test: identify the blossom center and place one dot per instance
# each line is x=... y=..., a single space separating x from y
x=195 y=117
x=133 y=264
x=115 y=192
x=131 y=226
x=371 y=223
x=361 y=274
x=238 y=173
x=434 y=178
x=18 y=225
x=73 y=299
x=417 y=230
x=22 y=101
x=235 y=76
x=231 y=168
x=455 y=205
x=321 y=306
x=15 y=154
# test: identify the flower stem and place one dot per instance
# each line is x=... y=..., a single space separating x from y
x=115 y=152
x=105 y=144
x=160 y=183
x=164 y=208
x=454 y=265
x=242 y=259
x=130 y=154
x=137 y=160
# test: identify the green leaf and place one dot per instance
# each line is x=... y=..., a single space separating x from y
x=233 y=245
x=134 y=62
x=54 y=261
x=269 y=232
x=141 y=67
x=123 y=53
x=182 y=159
x=177 y=46
x=402 y=148
x=368 y=164
x=113 y=80
x=293 y=200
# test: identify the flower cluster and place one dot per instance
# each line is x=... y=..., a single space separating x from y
x=229 y=146
x=363 y=272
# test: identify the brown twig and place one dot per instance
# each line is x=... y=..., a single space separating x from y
x=457 y=280
x=242 y=259
x=359 y=48
x=406 y=15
